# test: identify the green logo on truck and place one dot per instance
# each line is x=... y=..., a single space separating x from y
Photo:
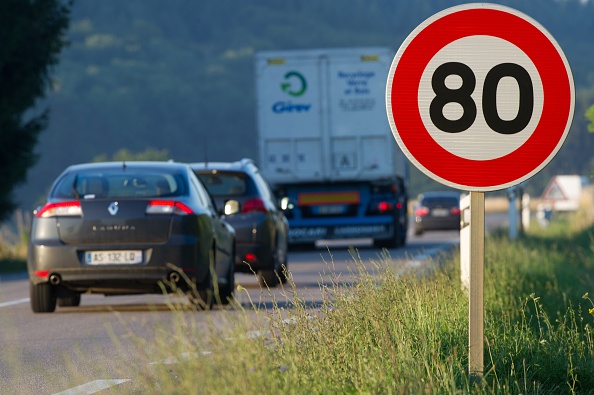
x=295 y=84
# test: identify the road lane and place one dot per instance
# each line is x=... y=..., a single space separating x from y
x=53 y=353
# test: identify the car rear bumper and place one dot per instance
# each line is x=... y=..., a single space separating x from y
x=432 y=223
x=65 y=266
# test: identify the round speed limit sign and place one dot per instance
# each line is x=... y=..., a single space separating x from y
x=480 y=97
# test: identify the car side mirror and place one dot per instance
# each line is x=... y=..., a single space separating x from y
x=231 y=207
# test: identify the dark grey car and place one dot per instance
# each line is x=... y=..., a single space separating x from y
x=261 y=227
x=129 y=228
x=438 y=210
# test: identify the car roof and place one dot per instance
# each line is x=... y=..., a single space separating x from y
x=240 y=165
x=126 y=164
x=440 y=194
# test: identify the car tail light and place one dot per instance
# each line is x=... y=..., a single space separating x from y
x=42 y=273
x=455 y=211
x=250 y=258
x=422 y=211
x=384 y=206
x=254 y=204
x=60 y=209
x=167 y=207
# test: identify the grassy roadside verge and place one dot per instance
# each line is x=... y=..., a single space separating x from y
x=406 y=334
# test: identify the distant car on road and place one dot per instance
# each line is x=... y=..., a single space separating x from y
x=437 y=210
x=129 y=228
x=261 y=227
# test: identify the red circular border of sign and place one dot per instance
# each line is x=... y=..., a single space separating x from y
x=523 y=162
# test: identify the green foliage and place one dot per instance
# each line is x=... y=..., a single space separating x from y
x=32 y=35
x=150 y=154
x=590 y=117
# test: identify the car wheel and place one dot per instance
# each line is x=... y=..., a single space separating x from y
x=43 y=297
x=69 y=301
x=203 y=297
x=282 y=267
x=226 y=292
x=271 y=278
x=267 y=278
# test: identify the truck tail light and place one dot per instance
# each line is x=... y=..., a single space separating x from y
x=60 y=209
x=254 y=204
x=167 y=207
x=421 y=211
x=383 y=207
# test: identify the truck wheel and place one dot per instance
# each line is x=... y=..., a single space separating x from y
x=43 y=298
x=402 y=235
x=391 y=243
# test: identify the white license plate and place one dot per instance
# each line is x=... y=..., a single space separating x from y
x=124 y=257
x=440 y=212
x=329 y=210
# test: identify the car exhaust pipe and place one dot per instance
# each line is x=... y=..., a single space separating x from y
x=174 y=277
x=55 y=279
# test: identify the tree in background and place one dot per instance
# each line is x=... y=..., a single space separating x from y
x=150 y=154
x=31 y=37
x=590 y=117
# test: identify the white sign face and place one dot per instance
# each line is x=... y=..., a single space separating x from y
x=480 y=97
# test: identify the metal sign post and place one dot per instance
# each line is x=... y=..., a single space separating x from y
x=476 y=291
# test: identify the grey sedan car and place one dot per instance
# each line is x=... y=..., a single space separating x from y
x=122 y=228
x=437 y=210
x=261 y=227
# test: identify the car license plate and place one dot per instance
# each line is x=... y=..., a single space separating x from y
x=124 y=257
x=331 y=210
x=440 y=212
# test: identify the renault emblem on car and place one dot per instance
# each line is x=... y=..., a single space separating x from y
x=113 y=208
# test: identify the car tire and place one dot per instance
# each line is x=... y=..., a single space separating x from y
x=43 y=297
x=203 y=297
x=227 y=291
x=267 y=278
x=69 y=301
x=282 y=257
x=271 y=278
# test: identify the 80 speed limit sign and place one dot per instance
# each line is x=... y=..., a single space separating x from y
x=480 y=97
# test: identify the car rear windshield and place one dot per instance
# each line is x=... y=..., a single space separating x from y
x=228 y=184
x=440 y=201
x=118 y=184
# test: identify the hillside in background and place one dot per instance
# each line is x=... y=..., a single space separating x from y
x=178 y=75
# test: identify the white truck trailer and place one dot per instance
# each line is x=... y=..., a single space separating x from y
x=325 y=144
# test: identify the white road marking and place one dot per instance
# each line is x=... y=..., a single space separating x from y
x=185 y=356
x=93 y=387
x=13 y=302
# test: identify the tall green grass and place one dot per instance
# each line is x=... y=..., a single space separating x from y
x=403 y=333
